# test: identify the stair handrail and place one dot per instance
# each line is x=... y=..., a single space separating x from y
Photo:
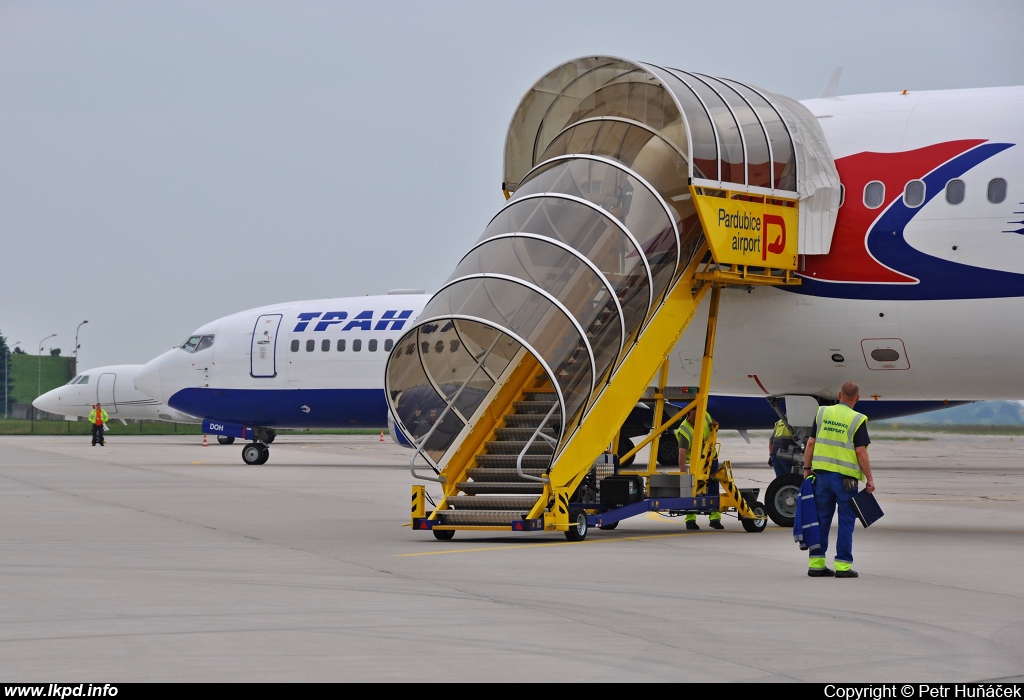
x=536 y=433
x=421 y=443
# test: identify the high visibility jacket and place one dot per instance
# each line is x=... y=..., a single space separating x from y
x=102 y=418
x=833 y=443
x=684 y=433
x=781 y=430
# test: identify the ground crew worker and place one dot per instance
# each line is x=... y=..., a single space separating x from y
x=837 y=453
x=97 y=418
x=684 y=434
x=781 y=438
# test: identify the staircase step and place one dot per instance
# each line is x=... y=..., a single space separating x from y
x=481 y=475
x=541 y=407
x=541 y=395
x=531 y=420
x=520 y=434
x=519 y=503
x=477 y=488
x=540 y=446
x=481 y=517
x=509 y=461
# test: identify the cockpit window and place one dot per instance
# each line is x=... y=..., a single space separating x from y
x=84 y=379
x=74 y=380
x=197 y=343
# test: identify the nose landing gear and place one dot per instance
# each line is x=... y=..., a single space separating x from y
x=255 y=453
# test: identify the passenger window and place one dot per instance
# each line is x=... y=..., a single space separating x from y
x=842 y=194
x=454 y=345
x=955 y=190
x=341 y=345
x=204 y=342
x=884 y=355
x=439 y=346
x=372 y=346
x=310 y=344
x=325 y=345
x=874 y=194
x=913 y=194
x=388 y=344
x=190 y=344
x=410 y=348
x=424 y=347
x=997 y=190
x=295 y=345
x=357 y=345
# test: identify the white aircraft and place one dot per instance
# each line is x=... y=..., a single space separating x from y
x=915 y=293
x=113 y=387
x=306 y=364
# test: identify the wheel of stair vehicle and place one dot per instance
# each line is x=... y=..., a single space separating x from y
x=609 y=526
x=443 y=535
x=759 y=523
x=577 y=531
x=781 y=499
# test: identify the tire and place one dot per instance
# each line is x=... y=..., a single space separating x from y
x=271 y=435
x=443 y=535
x=759 y=523
x=252 y=453
x=264 y=454
x=668 y=450
x=609 y=526
x=624 y=446
x=781 y=499
x=225 y=439
x=577 y=531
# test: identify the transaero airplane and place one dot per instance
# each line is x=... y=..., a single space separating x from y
x=915 y=294
x=305 y=364
x=113 y=387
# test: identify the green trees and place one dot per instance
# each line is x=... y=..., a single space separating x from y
x=6 y=385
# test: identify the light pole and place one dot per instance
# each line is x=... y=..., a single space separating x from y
x=39 y=377
x=76 y=345
x=7 y=376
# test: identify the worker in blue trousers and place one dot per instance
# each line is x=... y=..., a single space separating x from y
x=837 y=455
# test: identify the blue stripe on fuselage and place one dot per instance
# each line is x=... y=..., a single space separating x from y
x=283 y=408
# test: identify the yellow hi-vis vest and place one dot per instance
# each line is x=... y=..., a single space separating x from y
x=833 y=444
x=781 y=430
x=685 y=431
x=103 y=417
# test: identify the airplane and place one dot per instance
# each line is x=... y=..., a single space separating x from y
x=914 y=294
x=295 y=365
x=113 y=386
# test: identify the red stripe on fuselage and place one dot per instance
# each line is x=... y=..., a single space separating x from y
x=848 y=259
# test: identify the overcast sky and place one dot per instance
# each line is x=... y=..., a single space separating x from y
x=163 y=164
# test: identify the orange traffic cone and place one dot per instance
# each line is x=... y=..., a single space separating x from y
x=382 y=436
x=204 y=440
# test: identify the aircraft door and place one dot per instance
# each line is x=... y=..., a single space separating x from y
x=264 y=346
x=105 y=392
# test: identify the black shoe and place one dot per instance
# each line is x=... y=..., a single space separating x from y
x=819 y=573
x=716 y=525
x=849 y=573
x=692 y=525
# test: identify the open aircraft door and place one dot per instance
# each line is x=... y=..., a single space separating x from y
x=105 y=392
x=264 y=346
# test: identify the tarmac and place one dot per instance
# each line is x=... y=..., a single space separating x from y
x=155 y=559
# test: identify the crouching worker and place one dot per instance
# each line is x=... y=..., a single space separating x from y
x=684 y=434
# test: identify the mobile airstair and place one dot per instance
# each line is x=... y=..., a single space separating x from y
x=633 y=192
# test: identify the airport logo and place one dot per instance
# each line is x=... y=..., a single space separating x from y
x=392 y=320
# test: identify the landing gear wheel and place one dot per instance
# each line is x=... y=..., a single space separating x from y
x=252 y=453
x=577 y=531
x=781 y=499
x=265 y=435
x=264 y=454
x=624 y=446
x=271 y=434
x=609 y=526
x=225 y=439
x=668 y=450
x=759 y=523
x=443 y=535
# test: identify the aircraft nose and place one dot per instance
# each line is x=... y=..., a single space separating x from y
x=49 y=402
x=148 y=380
